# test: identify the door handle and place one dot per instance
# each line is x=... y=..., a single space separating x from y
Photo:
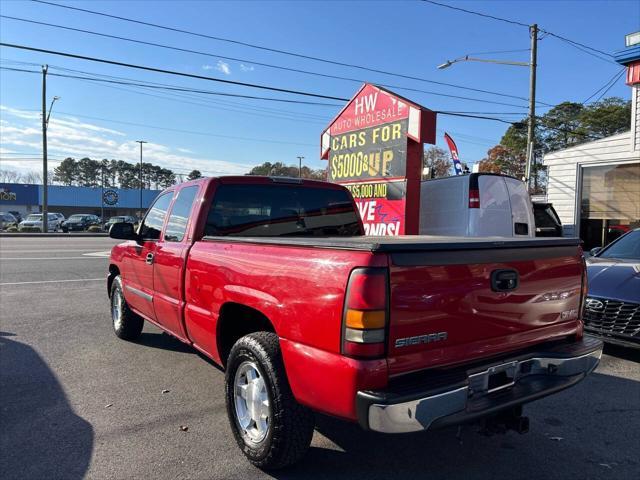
x=149 y=259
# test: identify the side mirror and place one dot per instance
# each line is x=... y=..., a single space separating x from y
x=123 y=231
x=594 y=251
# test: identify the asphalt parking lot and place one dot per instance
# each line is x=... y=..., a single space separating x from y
x=76 y=402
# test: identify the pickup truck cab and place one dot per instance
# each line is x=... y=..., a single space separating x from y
x=274 y=280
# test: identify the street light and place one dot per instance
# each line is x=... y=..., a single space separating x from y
x=467 y=58
x=141 y=142
x=532 y=64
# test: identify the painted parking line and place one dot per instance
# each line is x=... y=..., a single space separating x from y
x=54 y=281
x=106 y=253
x=50 y=258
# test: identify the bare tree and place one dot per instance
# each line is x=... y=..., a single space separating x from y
x=9 y=176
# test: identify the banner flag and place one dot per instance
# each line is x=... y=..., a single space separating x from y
x=457 y=166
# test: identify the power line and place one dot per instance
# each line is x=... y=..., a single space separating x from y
x=325 y=75
x=180 y=97
x=190 y=132
x=610 y=82
x=580 y=46
x=146 y=83
x=449 y=113
x=171 y=72
x=274 y=50
x=208 y=92
x=492 y=17
x=610 y=86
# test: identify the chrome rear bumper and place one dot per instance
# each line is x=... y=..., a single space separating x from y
x=479 y=391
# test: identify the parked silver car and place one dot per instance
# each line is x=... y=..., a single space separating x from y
x=33 y=223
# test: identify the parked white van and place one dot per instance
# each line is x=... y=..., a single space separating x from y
x=476 y=205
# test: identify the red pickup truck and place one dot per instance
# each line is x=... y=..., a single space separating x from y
x=275 y=281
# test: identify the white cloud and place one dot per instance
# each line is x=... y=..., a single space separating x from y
x=70 y=137
x=246 y=68
x=221 y=66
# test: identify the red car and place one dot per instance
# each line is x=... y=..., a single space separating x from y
x=274 y=280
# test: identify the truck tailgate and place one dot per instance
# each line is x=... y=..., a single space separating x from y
x=452 y=306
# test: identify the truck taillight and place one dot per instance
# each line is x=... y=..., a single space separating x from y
x=474 y=198
x=364 y=322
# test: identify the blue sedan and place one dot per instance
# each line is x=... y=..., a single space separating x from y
x=613 y=304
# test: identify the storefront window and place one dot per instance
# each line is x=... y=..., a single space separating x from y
x=610 y=203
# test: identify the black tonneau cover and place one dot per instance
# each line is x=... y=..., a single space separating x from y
x=406 y=243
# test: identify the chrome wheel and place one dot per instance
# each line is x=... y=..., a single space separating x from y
x=253 y=410
x=116 y=309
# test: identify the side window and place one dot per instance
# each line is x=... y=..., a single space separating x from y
x=152 y=223
x=177 y=224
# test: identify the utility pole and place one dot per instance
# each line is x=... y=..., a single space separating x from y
x=45 y=199
x=102 y=199
x=300 y=166
x=533 y=31
x=140 y=142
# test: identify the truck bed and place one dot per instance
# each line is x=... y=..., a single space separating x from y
x=407 y=243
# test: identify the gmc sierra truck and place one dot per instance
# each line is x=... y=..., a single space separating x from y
x=274 y=280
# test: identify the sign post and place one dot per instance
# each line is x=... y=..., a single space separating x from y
x=375 y=149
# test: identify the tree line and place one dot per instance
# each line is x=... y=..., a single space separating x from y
x=565 y=125
x=279 y=169
x=96 y=173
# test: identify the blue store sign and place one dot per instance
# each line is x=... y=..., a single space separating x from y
x=18 y=194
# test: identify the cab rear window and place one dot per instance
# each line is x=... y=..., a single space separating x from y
x=281 y=210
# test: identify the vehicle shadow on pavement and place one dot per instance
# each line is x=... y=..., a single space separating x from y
x=626 y=353
x=41 y=437
x=574 y=434
x=164 y=341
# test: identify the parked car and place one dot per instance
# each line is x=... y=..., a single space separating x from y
x=476 y=205
x=7 y=220
x=16 y=214
x=548 y=222
x=79 y=222
x=120 y=219
x=612 y=310
x=274 y=280
x=33 y=223
x=60 y=219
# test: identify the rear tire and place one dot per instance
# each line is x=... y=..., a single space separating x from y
x=126 y=324
x=272 y=429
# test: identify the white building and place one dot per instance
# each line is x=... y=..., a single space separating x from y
x=595 y=186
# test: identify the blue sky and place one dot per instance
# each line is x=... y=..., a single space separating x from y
x=409 y=38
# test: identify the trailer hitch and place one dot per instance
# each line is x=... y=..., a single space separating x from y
x=504 y=421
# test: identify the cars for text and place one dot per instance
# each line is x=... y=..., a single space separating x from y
x=274 y=280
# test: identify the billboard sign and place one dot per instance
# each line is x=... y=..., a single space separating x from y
x=374 y=148
x=18 y=194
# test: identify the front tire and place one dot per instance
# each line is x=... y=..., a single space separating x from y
x=271 y=428
x=126 y=324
